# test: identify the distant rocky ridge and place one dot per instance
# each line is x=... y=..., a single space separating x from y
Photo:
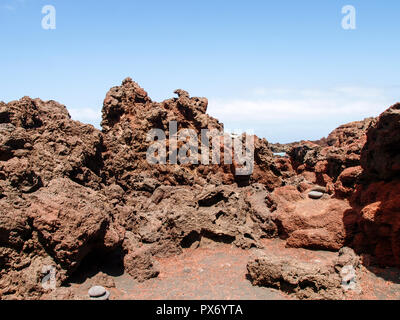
x=68 y=190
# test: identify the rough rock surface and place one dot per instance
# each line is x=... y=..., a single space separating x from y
x=70 y=227
x=381 y=153
x=359 y=165
x=333 y=163
x=311 y=223
x=52 y=208
x=306 y=278
x=377 y=198
x=181 y=217
x=325 y=160
x=69 y=192
x=129 y=114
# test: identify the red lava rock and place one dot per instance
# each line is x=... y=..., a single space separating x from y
x=327 y=158
x=378 y=221
x=129 y=114
x=347 y=180
x=380 y=156
x=377 y=195
x=52 y=211
x=70 y=227
x=309 y=223
x=69 y=192
x=313 y=275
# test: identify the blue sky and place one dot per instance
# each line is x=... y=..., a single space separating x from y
x=284 y=69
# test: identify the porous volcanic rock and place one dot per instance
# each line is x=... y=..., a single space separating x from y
x=327 y=158
x=129 y=115
x=52 y=209
x=71 y=227
x=69 y=191
x=316 y=277
x=377 y=196
x=49 y=145
x=381 y=153
x=311 y=223
x=334 y=164
x=180 y=217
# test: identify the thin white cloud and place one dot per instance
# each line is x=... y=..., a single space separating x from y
x=303 y=103
x=350 y=91
x=275 y=108
x=283 y=109
x=361 y=92
x=286 y=115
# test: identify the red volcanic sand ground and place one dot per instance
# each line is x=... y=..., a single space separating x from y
x=219 y=272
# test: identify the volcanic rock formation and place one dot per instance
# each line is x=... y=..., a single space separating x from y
x=69 y=191
x=377 y=196
x=306 y=277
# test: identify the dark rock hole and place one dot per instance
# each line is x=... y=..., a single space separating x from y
x=194 y=236
x=110 y=263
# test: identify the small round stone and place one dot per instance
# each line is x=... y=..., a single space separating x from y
x=105 y=296
x=97 y=291
x=315 y=194
x=319 y=189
